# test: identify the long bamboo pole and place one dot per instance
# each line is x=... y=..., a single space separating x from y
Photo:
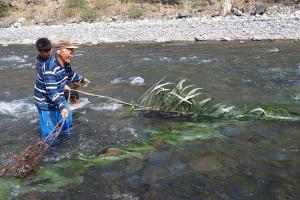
x=107 y=97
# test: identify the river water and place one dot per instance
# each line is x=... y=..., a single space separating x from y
x=191 y=160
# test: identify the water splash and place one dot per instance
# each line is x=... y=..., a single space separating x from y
x=83 y=102
x=273 y=50
x=108 y=107
x=13 y=58
x=118 y=81
x=136 y=80
x=17 y=108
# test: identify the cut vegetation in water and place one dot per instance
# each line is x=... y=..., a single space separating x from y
x=182 y=101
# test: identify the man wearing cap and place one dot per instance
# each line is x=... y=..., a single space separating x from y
x=44 y=48
x=49 y=89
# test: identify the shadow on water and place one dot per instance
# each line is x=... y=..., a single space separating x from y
x=115 y=155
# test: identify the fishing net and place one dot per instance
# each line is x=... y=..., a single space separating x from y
x=27 y=161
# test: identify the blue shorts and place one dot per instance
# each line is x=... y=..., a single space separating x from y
x=50 y=118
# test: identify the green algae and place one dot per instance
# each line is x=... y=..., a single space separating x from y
x=185 y=132
x=53 y=177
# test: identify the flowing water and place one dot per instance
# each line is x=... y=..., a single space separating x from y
x=150 y=158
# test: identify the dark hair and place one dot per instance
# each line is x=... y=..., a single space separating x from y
x=43 y=44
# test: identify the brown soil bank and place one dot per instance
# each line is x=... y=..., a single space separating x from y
x=31 y=12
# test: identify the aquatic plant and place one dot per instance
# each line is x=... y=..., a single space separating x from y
x=183 y=101
x=168 y=99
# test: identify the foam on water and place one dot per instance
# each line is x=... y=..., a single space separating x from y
x=146 y=59
x=83 y=102
x=165 y=59
x=183 y=59
x=118 y=80
x=296 y=97
x=15 y=62
x=124 y=196
x=274 y=50
x=205 y=60
x=18 y=108
x=132 y=131
x=79 y=53
x=108 y=106
x=136 y=80
x=16 y=66
x=26 y=65
x=14 y=58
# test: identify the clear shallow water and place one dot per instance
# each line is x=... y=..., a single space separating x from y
x=206 y=160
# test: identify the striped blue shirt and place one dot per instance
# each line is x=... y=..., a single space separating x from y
x=50 y=82
x=39 y=62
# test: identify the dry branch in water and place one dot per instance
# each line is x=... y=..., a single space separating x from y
x=27 y=161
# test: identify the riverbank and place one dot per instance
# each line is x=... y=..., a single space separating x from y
x=280 y=27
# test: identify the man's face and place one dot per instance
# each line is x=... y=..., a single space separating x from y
x=67 y=55
x=46 y=54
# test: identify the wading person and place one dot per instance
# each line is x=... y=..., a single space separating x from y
x=49 y=89
x=44 y=47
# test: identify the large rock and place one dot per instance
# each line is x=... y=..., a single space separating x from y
x=259 y=9
x=21 y=20
x=212 y=2
x=237 y=12
x=17 y=25
x=226 y=8
x=182 y=14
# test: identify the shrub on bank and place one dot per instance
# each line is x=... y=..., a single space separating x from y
x=79 y=9
x=88 y=14
x=135 y=12
x=4 y=6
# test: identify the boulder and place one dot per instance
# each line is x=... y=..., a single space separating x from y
x=21 y=20
x=111 y=19
x=226 y=8
x=182 y=14
x=17 y=25
x=212 y=2
x=259 y=9
x=108 y=20
x=237 y=12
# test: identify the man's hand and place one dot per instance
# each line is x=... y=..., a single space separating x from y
x=67 y=88
x=76 y=84
x=85 y=82
x=64 y=113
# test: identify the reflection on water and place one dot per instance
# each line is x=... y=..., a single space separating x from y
x=143 y=158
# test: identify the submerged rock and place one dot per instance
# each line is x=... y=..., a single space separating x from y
x=111 y=152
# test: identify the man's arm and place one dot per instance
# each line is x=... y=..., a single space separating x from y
x=73 y=76
x=52 y=88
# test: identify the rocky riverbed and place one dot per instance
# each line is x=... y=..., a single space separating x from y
x=186 y=29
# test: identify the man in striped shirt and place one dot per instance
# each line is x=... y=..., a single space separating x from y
x=44 y=48
x=49 y=89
